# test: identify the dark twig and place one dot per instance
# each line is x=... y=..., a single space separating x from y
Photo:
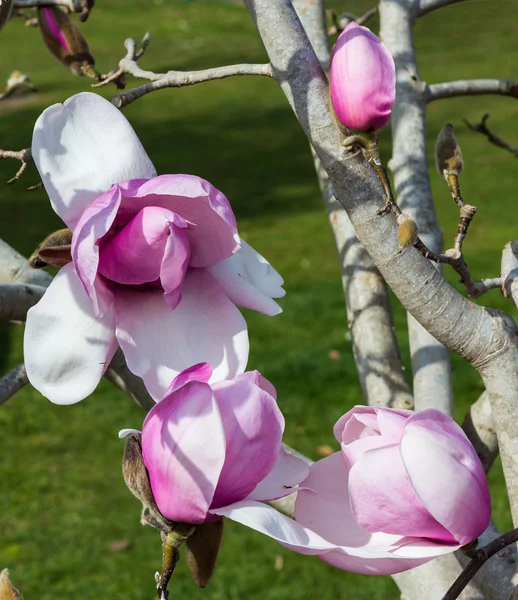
x=480 y=557
x=341 y=21
x=494 y=139
x=12 y=382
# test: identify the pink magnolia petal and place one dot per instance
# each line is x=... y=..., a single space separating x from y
x=258 y=379
x=253 y=427
x=200 y=372
x=94 y=223
x=66 y=349
x=446 y=474
x=382 y=498
x=250 y=281
x=159 y=343
x=289 y=471
x=183 y=473
x=175 y=262
x=215 y=236
x=81 y=148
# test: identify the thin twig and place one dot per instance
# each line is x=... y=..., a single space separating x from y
x=494 y=139
x=16 y=299
x=13 y=382
x=481 y=556
x=471 y=87
x=24 y=156
x=83 y=7
x=426 y=6
x=341 y=21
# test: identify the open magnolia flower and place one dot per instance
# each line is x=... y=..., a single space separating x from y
x=406 y=487
x=158 y=266
x=207 y=446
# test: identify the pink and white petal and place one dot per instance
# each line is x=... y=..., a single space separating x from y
x=175 y=262
x=453 y=493
x=94 y=223
x=289 y=471
x=200 y=372
x=253 y=427
x=373 y=566
x=382 y=498
x=351 y=426
x=159 y=343
x=258 y=379
x=183 y=447
x=81 y=148
x=260 y=272
x=215 y=236
x=66 y=349
x=124 y=433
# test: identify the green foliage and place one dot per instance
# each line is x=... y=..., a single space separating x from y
x=63 y=501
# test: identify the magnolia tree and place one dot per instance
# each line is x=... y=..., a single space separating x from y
x=153 y=270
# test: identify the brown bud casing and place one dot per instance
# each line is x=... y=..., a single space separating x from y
x=137 y=480
x=202 y=549
x=54 y=250
x=7 y=590
x=5 y=12
x=63 y=38
x=408 y=232
x=448 y=155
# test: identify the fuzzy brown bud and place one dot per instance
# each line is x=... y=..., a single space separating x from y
x=63 y=38
x=137 y=480
x=54 y=250
x=5 y=11
x=407 y=232
x=7 y=590
x=202 y=549
x=448 y=155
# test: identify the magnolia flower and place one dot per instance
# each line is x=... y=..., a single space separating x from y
x=207 y=446
x=363 y=79
x=404 y=489
x=158 y=266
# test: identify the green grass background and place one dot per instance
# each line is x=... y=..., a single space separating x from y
x=62 y=498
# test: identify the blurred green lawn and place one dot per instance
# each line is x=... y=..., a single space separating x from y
x=62 y=501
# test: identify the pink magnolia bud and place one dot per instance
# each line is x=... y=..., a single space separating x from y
x=363 y=80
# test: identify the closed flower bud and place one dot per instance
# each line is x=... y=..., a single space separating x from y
x=63 y=38
x=54 y=250
x=363 y=80
x=448 y=155
x=7 y=591
x=202 y=549
x=407 y=232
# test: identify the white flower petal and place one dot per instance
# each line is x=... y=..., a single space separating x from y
x=66 y=348
x=81 y=148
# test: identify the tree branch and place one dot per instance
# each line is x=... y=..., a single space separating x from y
x=494 y=139
x=426 y=6
x=83 y=7
x=479 y=427
x=430 y=359
x=509 y=270
x=16 y=299
x=24 y=156
x=471 y=87
x=13 y=382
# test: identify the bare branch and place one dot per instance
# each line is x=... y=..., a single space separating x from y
x=13 y=382
x=430 y=359
x=15 y=269
x=24 y=156
x=426 y=6
x=16 y=299
x=481 y=557
x=471 y=87
x=83 y=7
x=479 y=427
x=494 y=139
x=341 y=21
x=119 y=374
x=509 y=271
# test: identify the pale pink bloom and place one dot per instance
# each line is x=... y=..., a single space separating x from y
x=158 y=266
x=404 y=489
x=363 y=79
x=207 y=446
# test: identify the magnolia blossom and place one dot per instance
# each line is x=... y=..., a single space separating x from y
x=404 y=489
x=207 y=446
x=158 y=266
x=363 y=79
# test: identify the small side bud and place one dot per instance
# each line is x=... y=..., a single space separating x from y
x=202 y=549
x=63 y=38
x=7 y=590
x=407 y=233
x=54 y=250
x=448 y=155
x=137 y=480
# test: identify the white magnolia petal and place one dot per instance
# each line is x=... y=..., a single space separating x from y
x=159 y=343
x=249 y=280
x=124 y=433
x=66 y=349
x=81 y=148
